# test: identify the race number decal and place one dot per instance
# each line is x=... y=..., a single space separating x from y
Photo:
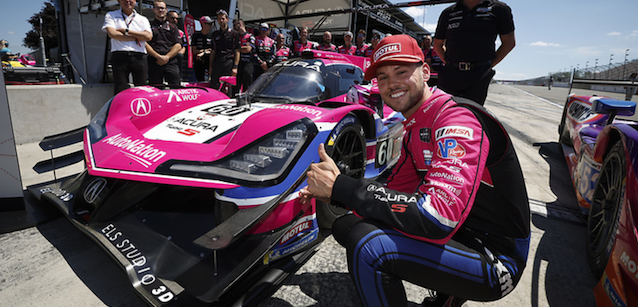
x=388 y=147
x=588 y=171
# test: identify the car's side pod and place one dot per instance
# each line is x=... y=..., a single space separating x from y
x=612 y=107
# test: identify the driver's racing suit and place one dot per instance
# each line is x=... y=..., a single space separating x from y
x=453 y=215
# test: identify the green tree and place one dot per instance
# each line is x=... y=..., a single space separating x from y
x=49 y=29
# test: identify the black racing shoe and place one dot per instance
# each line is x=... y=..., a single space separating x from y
x=442 y=300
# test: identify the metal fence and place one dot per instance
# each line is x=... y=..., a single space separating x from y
x=613 y=71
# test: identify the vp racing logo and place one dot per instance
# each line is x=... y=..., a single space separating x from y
x=450 y=149
x=94 y=189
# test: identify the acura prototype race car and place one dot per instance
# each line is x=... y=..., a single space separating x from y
x=601 y=150
x=196 y=194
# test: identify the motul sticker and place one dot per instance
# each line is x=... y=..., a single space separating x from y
x=387 y=49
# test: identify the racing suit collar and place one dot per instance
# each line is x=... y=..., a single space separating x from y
x=437 y=95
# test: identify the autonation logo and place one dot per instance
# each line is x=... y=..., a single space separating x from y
x=136 y=149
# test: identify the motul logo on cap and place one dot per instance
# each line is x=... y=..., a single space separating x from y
x=389 y=48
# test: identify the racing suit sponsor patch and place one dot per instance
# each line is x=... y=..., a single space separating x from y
x=449 y=149
x=424 y=134
x=447 y=176
x=454 y=131
x=427 y=157
x=381 y=194
x=442 y=195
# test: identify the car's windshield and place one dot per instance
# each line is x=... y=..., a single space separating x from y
x=292 y=84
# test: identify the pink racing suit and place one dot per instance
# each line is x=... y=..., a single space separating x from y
x=453 y=216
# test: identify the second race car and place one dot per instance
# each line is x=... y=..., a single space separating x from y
x=601 y=151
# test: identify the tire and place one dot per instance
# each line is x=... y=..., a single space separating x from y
x=563 y=132
x=604 y=214
x=349 y=153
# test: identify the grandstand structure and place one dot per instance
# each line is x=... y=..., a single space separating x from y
x=614 y=72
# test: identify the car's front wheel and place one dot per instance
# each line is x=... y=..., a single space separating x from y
x=347 y=147
x=606 y=206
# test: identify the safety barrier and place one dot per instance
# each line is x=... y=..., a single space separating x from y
x=41 y=110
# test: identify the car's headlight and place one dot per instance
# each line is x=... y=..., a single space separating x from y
x=265 y=161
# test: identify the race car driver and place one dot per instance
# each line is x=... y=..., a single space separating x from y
x=452 y=217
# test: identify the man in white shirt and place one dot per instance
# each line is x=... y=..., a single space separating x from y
x=129 y=32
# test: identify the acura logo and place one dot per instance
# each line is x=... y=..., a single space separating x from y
x=94 y=189
x=140 y=106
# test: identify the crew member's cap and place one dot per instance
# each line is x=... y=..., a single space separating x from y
x=395 y=49
x=347 y=33
x=264 y=25
x=205 y=19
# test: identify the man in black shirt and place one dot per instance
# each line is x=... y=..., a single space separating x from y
x=173 y=18
x=465 y=40
x=162 y=63
x=246 y=69
x=201 y=47
x=225 y=55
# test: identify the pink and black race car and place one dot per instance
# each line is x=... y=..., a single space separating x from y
x=196 y=194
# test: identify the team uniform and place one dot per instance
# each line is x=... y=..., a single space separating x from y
x=347 y=50
x=298 y=47
x=470 y=46
x=202 y=42
x=281 y=54
x=331 y=47
x=369 y=51
x=265 y=53
x=453 y=215
x=127 y=56
x=180 y=56
x=435 y=61
x=224 y=44
x=361 y=50
x=246 y=69
x=165 y=36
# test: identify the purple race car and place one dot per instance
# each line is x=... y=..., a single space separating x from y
x=601 y=151
x=196 y=194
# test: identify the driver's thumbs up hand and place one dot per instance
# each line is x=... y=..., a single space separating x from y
x=321 y=177
x=326 y=161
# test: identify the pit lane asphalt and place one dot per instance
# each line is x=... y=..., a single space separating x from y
x=53 y=264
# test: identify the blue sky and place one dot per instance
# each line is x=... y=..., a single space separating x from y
x=551 y=35
x=557 y=35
